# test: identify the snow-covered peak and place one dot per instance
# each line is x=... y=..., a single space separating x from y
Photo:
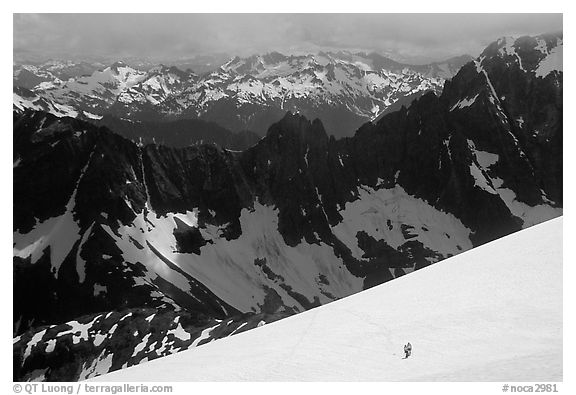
x=361 y=85
x=506 y=45
x=341 y=78
x=118 y=65
x=123 y=74
x=552 y=62
x=538 y=54
x=92 y=92
x=26 y=100
x=171 y=70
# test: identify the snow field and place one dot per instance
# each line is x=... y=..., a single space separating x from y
x=493 y=313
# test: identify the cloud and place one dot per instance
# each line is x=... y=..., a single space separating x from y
x=169 y=36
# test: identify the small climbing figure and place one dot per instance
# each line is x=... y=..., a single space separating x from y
x=408 y=350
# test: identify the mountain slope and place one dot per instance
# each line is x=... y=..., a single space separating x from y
x=94 y=92
x=180 y=133
x=24 y=99
x=474 y=317
x=30 y=75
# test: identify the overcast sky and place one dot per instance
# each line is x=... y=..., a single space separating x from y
x=410 y=37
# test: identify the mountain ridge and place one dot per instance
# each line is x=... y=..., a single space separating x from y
x=343 y=89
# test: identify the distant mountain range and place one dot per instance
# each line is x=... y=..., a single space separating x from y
x=342 y=89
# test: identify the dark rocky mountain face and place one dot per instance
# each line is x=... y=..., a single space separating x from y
x=179 y=133
x=173 y=133
x=214 y=241
x=118 y=340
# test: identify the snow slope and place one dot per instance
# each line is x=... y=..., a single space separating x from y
x=493 y=313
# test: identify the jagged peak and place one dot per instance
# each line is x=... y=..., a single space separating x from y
x=274 y=57
x=507 y=45
x=538 y=54
x=164 y=69
x=181 y=73
x=298 y=125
